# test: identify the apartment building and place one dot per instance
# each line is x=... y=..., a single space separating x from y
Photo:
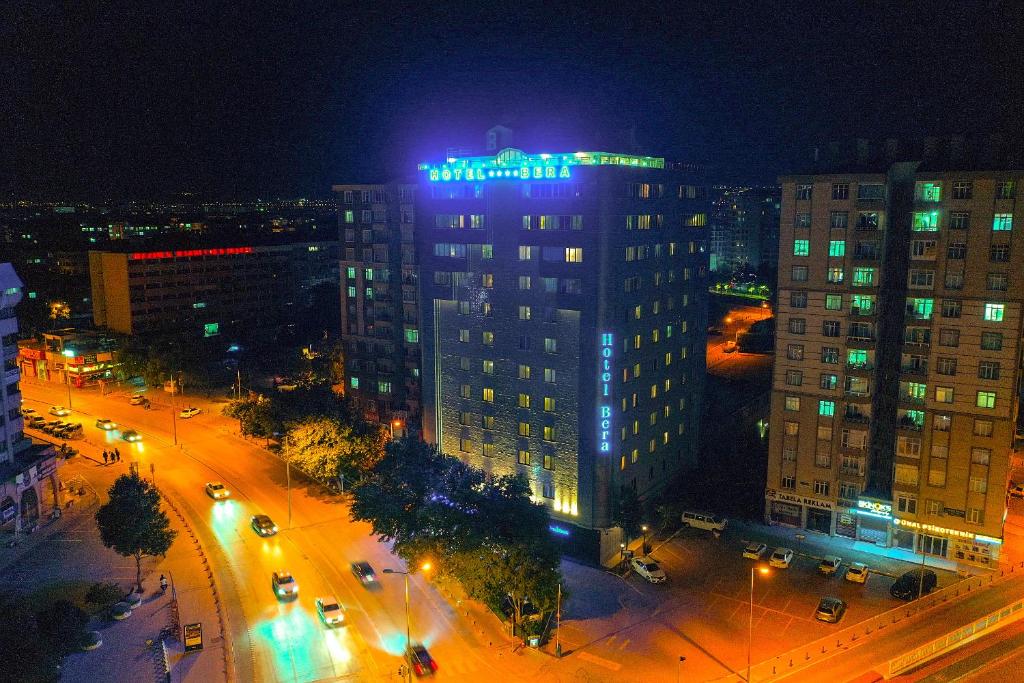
x=29 y=486
x=243 y=290
x=380 y=320
x=564 y=309
x=894 y=395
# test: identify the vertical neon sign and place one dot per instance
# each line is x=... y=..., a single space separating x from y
x=604 y=440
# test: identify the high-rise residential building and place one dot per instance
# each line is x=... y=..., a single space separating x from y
x=745 y=228
x=244 y=290
x=894 y=397
x=564 y=307
x=380 y=320
x=28 y=471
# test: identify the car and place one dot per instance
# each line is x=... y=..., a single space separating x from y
x=755 y=551
x=330 y=610
x=106 y=425
x=263 y=525
x=648 y=569
x=284 y=584
x=137 y=399
x=36 y=421
x=730 y=347
x=186 y=413
x=420 y=660
x=781 y=558
x=131 y=435
x=1016 y=490
x=217 y=490
x=914 y=583
x=364 y=572
x=704 y=520
x=830 y=610
x=59 y=411
x=27 y=412
x=68 y=429
x=829 y=565
x=857 y=572
x=50 y=426
x=714 y=331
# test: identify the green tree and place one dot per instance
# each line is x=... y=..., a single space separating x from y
x=63 y=625
x=629 y=512
x=28 y=657
x=133 y=524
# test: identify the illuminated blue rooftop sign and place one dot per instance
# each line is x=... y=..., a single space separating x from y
x=514 y=164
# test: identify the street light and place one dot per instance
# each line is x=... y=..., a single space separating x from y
x=750 y=632
x=395 y=424
x=408 y=621
x=643 y=528
x=69 y=354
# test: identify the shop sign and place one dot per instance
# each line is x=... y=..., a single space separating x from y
x=955 y=513
x=604 y=369
x=802 y=500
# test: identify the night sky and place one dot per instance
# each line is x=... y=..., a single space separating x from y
x=257 y=99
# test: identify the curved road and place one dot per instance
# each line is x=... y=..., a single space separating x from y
x=272 y=640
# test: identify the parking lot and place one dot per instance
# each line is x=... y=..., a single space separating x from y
x=703 y=610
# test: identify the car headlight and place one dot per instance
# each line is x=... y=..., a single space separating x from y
x=275 y=527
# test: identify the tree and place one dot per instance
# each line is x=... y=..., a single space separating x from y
x=59 y=311
x=63 y=625
x=28 y=657
x=629 y=512
x=133 y=524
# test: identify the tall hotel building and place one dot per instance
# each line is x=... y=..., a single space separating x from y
x=564 y=306
x=899 y=338
x=380 y=326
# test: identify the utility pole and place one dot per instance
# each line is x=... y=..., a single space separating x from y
x=558 y=622
x=288 y=476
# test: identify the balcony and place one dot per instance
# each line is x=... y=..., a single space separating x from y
x=920 y=370
x=860 y=340
x=866 y=254
x=860 y=367
x=862 y=312
x=917 y=339
x=866 y=226
x=856 y=417
x=907 y=423
x=912 y=400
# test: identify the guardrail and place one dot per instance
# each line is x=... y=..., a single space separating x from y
x=954 y=639
x=807 y=655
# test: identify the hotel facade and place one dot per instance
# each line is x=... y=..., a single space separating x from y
x=563 y=320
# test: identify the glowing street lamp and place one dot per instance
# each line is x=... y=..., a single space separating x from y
x=69 y=354
x=643 y=528
x=408 y=621
x=750 y=633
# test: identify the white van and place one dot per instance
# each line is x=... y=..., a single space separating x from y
x=704 y=520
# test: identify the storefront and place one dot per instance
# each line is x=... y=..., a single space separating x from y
x=786 y=514
x=874 y=519
x=846 y=523
x=32 y=362
x=802 y=512
x=962 y=547
x=819 y=520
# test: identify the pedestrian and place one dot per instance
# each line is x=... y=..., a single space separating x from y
x=104 y=457
x=117 y=454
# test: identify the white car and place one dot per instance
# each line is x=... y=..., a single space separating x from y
x=829 y=565
x=59 y=411
x=106 y=425
x=781 y=558
x=857 y=572
x=755 y=551
x=284 y=584
x=137 y=400
x=330 y=610
x=186 y=413
x=648 y=569
x=217 y=490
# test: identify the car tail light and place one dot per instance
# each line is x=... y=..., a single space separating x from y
x=419 y=668
x=433 y=665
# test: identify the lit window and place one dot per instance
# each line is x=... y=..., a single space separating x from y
x=353 y=382
x=488 y=395
x=792 y=403
x=549 y=433
x=524 y=429
x=488 y=338
x=487 y=280
x=549 y=404
x=524 y=457
x=926 y=221
x=488 y=367
x=524 y=372
x=525 y=253
x=986 y=399
x=801 y=247
x=837 y=248
x=524 y=282
x=1002 y=222
x=574 y=254
x=550 y=345
x=549 y=375
x=412 y=335
x=827 y=408
x=524 y=313
x=524 y=400
x=994 y=312
x=834 y=302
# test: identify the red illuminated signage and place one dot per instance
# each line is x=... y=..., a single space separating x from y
x=227 y=251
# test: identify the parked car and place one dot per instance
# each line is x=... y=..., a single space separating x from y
x=106 y=425
x=648 y=569
x=263 y=525
x=137 y=399
x=131 y=435
x=50 y=426
x=830 y=610
x=186 y=413
x=730 y=347
x=69 y=430
x=914 y=583
x=755 y=551
x=781 y=558
x=829 y=565
x=59 y=411
x=364 y=572
x=284 y=584
x=1016 y=490
x=857 y=572
x=704 y=520
x=420 y=660
x=27 y=412
x=330 y=610
x=36 y=422
x=217 y=490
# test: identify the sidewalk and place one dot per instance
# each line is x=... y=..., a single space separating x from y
x=72 y=550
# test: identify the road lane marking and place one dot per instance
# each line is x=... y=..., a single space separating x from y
x=600 y=661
